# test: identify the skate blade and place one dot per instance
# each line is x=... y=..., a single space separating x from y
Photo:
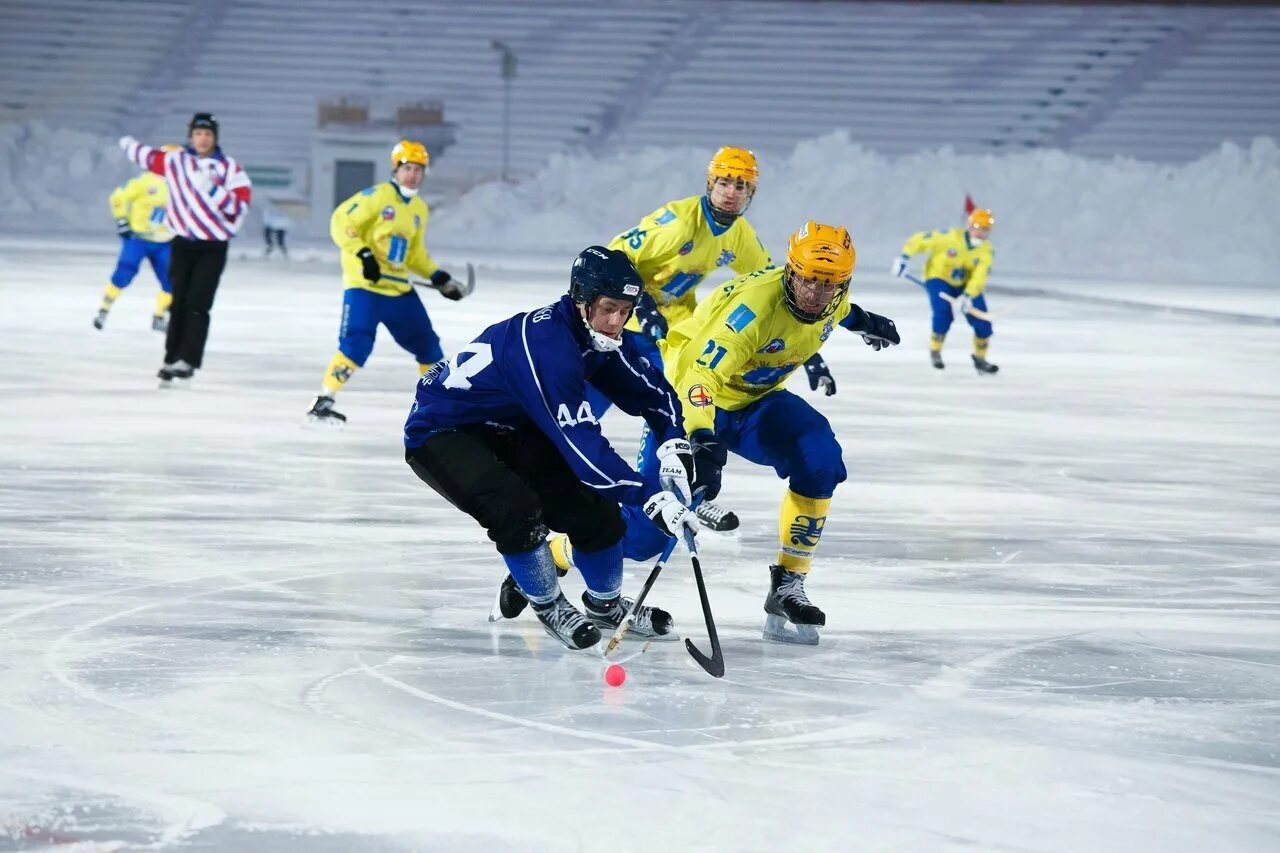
x=495 y=612
x=324 y=423
x=779 y=630
x=623 y=658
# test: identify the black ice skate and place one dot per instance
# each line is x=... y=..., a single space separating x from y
x=179 y=371
x=510 y=602
x=983 y=366
x=935 y=358
x=652 y=623
x=562 y=620
x=322 y=413
x=716 y=518
x=787 y=603
x=159 y=323
x=100 y=320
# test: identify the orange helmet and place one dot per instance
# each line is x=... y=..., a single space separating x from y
x=823 y=257
x=408 y=151
x=981 y=218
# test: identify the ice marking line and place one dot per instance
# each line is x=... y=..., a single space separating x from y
x=1197 y=654
x=419 y=693
x=954 y=681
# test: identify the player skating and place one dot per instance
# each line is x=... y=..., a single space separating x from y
x=380 y=232
x=139 y=211
x=504 y=432
x=729 y=363
x=955 y=274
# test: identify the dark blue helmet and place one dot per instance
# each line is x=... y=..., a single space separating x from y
x=598 y=271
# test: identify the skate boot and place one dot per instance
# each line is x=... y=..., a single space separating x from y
x=562 y=620
x=787 y=603
x=652 y=623
x=159 y=323
x=322 y=412
x=510 y=602
x=983 y=366
x=176 y=375
x=715 y=517
x=935 y=358
x=100 y=320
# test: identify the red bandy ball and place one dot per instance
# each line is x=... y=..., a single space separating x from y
x=615 y=675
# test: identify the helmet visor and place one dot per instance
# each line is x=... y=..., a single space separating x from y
x=812 y=299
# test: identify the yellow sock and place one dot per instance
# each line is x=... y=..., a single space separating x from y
x=800 y=523
x=163 y=301
x=111 y=294
x=561 y=552
x=935 y=342
x=340 y=370
x=423 y=368
x=980 y=346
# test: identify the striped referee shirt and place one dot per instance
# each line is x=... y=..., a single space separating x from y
x=208 y=196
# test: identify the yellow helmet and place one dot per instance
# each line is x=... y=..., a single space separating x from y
x=408 y=151
x=981 y=218
x=735 y=164
x=820 y=262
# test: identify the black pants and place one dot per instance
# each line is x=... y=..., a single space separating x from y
x=195 y=268
x=516 y=484
x=274 y=233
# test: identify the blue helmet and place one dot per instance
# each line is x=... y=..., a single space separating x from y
x=598 y=271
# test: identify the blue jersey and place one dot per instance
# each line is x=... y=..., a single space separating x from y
x=533 y=369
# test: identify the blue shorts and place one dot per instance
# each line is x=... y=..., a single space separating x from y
x=943 y=312
x=133 y=251
x=780 y=430
x=404 y=316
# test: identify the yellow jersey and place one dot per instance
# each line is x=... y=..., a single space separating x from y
x=390 y=225
x=678 y=244
x=953 y=258
x=741 y=343
x=142 y=201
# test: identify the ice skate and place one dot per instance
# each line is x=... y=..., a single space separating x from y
x=322 y=413
x=717 y=518
x=100 y=320
x=983 y=366
x=159 y=323
x=935 y=358
x=790 y=617
x=563 y=621
x=651 y=623
x=510 y=602
x=176 y=375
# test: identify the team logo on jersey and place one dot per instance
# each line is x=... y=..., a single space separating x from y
x=388 y=213
x=740 y=318
x=686 y=248
x=417 y=221
x=699 y=398
x=951 y=253
x=665 y=217
x=806 y=530
x=826 y=330
x=775 y=345
x=726 y=258
x=152 y=190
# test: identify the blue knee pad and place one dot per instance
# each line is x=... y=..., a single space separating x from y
x=601 y=570
x=132 y=251
x=359 y=324
x=943 y=314
x=817 y=464
x=124 y=273
x=535 y=573
x=981 y=328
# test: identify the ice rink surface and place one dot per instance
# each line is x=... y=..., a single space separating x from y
x=1052 y=600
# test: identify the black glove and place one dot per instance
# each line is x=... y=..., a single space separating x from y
x=878 y=332
x=372 y=272
x=652 y=323
x=123 y=229
x=820 y=375
x=444 y=283
x=709 y=458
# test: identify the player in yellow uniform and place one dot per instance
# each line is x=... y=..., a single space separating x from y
x=728 y=363
x=955 y=274
x=139 y=210
x=380 y=232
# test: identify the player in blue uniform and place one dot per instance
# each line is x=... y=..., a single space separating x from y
x=504 y=432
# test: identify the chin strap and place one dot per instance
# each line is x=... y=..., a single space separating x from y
x=405 y=191
x=601 y=342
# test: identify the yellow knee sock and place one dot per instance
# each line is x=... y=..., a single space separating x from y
x=340 y=370
x=800 y=523
x=163 y=301
x=980 y=346
x=108 y=296
x=423 y=368
x=935 y=342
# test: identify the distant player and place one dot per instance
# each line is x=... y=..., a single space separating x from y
x=728 y=363
x=139 y=210
x=503 y=431
x=209 y=196
x=380 y=232
x=957 y=267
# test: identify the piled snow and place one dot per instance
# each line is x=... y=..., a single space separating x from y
x=1209 y=220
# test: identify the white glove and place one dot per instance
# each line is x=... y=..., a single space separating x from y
x=126 y=141
x=900 y=265
x=671 y=516
x=963 y=304
x=675 y=457
x=202 y=181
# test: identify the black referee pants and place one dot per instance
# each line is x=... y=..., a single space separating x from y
x=195 y=268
